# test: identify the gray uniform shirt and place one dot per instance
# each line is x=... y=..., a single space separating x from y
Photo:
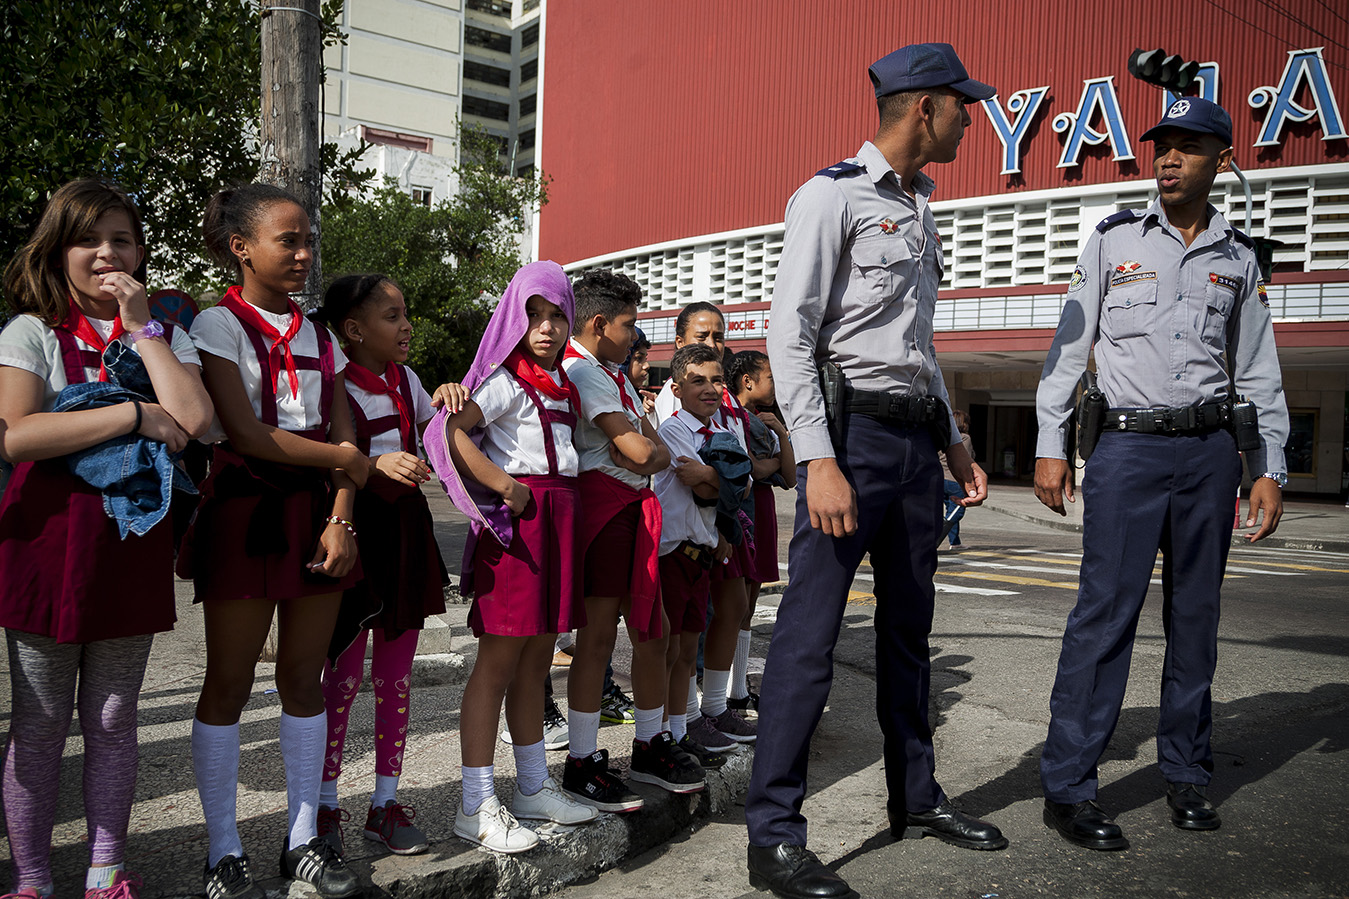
x=857 y=285
x=1163 y=318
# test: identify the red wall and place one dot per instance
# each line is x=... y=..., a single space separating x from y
x=672 y=118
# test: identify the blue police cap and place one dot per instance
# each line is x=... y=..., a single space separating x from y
x=1194 y=114
x=919 y=66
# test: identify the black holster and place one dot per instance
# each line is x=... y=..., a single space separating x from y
x=1091 y=408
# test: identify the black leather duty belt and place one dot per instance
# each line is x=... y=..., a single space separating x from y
x=895 y=406
x=1162 y=420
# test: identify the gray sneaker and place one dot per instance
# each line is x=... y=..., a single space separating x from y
x=392 y=825
x=732 y=725
x=705 y=734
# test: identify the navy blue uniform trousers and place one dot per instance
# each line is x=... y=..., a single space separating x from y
x=1145 y=493
x=898 y=480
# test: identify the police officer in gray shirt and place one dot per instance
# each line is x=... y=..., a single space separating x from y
x=1171 y=299
x=855 y=292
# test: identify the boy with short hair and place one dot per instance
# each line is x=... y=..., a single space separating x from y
x=620 y=536
x=690 y=545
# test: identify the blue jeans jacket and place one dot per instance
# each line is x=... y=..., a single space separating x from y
x=136 y=475
x=734 y=509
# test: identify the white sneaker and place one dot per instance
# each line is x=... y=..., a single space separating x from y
x=494 y=827
x=551 y=804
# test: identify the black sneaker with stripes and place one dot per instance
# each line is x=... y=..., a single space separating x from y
x=318 y=864
x=592 y=781
x=660 y=761
x=230 y=879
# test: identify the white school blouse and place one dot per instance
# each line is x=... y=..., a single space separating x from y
x=513 y=433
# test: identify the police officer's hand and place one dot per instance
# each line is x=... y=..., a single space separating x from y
x=969 y=476
x=1268 y=498
x=830 y=498
x=1053 y=481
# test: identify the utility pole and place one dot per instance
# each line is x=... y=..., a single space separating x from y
x=292 y=59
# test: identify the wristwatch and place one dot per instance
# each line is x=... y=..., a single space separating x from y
x=1277 y=477
x=153 y=329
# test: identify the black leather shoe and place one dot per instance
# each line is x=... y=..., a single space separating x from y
x=1085 y=824
x=1190 y=808
x=946 y=822
x=794 y=872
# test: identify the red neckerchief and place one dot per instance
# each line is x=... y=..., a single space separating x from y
x=529 y=371
x=704 y=430
x=76 y=323
x=387 y=385
x=235 y=302
x=617 y=377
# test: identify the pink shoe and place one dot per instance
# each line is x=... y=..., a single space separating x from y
x=124 y=886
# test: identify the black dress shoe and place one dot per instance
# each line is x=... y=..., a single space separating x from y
x=947 y=823
x=1085 y=824
x=794 y=872
x=1190 y=808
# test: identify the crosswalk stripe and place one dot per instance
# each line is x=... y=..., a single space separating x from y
x=1013 y=579
x=977 y=591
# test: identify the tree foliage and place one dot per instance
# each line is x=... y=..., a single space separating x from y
x=445 y=257
x=159 y=97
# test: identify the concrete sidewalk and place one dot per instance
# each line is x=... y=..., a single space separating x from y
x=1309 y=523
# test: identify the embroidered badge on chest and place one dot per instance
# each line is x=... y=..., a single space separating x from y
x=889 y=226
x=1231 y=283
x=1132 y=277
x=1125 y=267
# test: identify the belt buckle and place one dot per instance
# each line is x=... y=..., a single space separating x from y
x=1184 y=419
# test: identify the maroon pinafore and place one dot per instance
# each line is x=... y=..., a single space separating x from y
x=259 y=522
x=533 y=586
x=64 y=570
x=404 y=575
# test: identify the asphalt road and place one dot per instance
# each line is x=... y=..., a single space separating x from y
x=1281 y=743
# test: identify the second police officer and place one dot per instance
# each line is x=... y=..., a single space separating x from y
x=1172 y=301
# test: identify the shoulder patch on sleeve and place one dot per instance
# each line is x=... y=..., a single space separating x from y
x=1119 y=218
x=839 y=169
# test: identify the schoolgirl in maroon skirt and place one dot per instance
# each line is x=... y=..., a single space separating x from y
x=78 y=603
x=275 y=534
x=517 y=482
x=403 y=577
x=750 y=376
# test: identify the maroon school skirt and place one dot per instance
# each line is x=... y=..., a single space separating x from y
x=765 y=536
x=534 y=585
x=256 y=530
x=403 y=575
x=64 y=570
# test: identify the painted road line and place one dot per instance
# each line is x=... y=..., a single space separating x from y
x=977 y=591
x=1014 y=579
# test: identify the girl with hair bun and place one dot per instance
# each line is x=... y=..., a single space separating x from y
x=79 y=603
x=275 y=534
x=403 y=576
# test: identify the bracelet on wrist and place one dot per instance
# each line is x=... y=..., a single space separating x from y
x=140 y=416
x=351 y=528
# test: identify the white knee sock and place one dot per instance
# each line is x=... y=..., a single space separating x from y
x=215 y=759
x=714 y=691
x=478 y=787
x=740 y=667
x=648 y=723
x=531 y=767
x=692 y=713
x=302 y=742
x=386 y=789
x=583 y=733
x=677 y=727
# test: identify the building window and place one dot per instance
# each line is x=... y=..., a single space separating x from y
x=488 y=40
x=529 y=70
x=527 y=139
x=476 y=71
x=525 y=171
x=528 y=105
x=423 y=195
x=395 y=139
x=487 y=109
x=530 y=36
x=529 y=5
x=491 y=7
